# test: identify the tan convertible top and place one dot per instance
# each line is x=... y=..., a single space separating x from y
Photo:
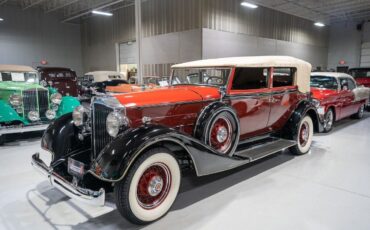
x=303 y=68
x=16 y=68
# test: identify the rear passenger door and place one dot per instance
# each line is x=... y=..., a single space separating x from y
x=347 y=97
x=250 y=97
x=284 y=96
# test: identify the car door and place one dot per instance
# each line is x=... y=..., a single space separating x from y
x=250 y=97
x=284 y=96
x=347 y=98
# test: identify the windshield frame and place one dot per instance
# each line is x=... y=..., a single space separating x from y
x=200 y=68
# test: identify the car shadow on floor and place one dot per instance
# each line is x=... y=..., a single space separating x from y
x=16 y=138
x=194 y=189
x=344 y=123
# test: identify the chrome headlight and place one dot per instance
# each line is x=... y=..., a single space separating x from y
x=316 y=103
x=50 y=114
x=79 y=115
x=56 y=98
x=115 y=120
x=15 y=100
x=34 y=116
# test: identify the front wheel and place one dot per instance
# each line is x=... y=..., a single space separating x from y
x=304 y=136
x=150 y=187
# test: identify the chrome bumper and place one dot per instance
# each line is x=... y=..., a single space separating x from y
x=96 y=198
x=22 y=129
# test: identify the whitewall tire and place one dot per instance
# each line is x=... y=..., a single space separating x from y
x=150 y=187
x=304 y=136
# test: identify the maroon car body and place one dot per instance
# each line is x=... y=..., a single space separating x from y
x=63 y=79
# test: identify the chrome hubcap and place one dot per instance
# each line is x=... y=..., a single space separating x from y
x=329 y=119
x=222 y=134
x=155 y=186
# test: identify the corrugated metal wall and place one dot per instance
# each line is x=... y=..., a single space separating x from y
x=167 y=16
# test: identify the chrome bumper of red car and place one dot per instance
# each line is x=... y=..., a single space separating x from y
x=96 y=198
x=22 y=129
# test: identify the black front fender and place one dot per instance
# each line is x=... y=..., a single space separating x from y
x=61 y=137
x=115 y=160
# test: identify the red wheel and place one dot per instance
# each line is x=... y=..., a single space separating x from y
x=304 y=134
x=222 y=132
x=154 y=185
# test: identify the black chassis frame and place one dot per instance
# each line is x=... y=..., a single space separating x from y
x=64 y=141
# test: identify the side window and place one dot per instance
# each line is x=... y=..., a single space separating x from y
x=283 y=77
x=344 y=85
x=250 y=78
x=6 y=76
x=351 y=84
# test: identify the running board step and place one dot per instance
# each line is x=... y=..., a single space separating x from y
x=259 y=151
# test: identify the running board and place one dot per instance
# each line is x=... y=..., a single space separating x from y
x=262 y=150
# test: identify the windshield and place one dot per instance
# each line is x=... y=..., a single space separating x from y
x=200 y=76
x=360 y=73
x=65 y=74
x=324 y=82
x=28 y=77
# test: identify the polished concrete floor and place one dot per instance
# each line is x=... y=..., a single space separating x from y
x=329 y=188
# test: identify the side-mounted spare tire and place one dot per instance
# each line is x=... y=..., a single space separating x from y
x=221 y=130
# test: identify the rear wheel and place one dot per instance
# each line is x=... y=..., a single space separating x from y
x=328 y=121
x=150 y=187
x=360 y=112
x=304 y=136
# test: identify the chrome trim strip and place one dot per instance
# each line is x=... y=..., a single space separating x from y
x=96 y=198
x=23 y=129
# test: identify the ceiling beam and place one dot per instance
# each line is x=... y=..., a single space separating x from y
x=88 y=11
x=32 y=4
x=54 y=5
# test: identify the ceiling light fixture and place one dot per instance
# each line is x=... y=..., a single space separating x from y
x=319 y=24
x=249 y=5
x=1 y=19
x=102 y=13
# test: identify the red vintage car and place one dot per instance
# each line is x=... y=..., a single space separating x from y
x=337 y=96
x=214 y=116
x=63 y=79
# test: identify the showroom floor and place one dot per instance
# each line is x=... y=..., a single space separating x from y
x=326 y=189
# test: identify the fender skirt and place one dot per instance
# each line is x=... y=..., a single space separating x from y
x=117 y=157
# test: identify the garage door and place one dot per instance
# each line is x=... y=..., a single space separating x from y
x=365 y=54
x=127 y=53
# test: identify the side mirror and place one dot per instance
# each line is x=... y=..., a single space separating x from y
x=222 y=91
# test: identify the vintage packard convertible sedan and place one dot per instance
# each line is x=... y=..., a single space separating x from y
x=233 y=111
x=337 y=96
x=25 y=105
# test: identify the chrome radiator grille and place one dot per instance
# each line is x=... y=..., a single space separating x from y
x=43 y=96
x=35 y=100
x=29 y=101
x=99 y=131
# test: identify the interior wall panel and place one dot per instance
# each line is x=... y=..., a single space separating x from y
x=29 y=36
x=161 y=17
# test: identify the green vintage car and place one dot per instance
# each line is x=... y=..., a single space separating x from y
x=25 y=105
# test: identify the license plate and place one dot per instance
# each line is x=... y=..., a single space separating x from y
x=76 y=168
